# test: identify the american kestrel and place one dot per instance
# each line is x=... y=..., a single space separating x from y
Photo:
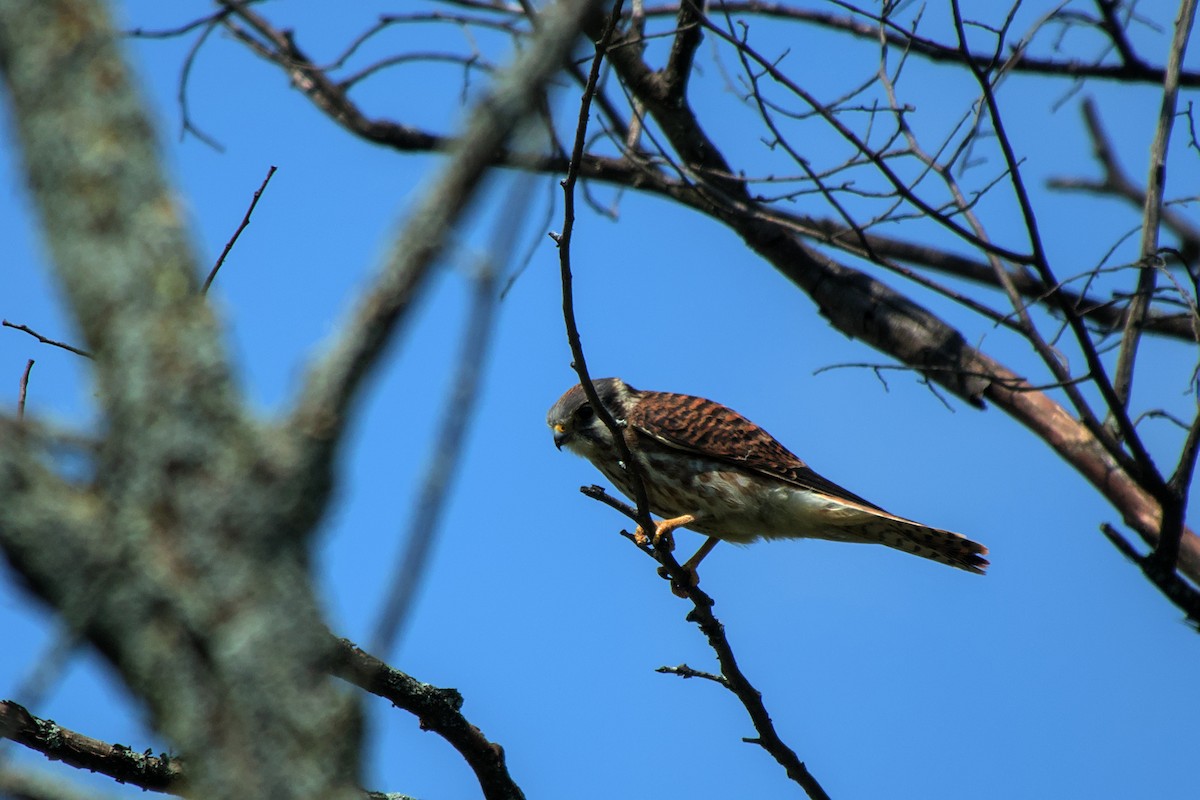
x=708 y=468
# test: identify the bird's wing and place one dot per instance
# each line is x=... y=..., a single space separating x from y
x=702 y=427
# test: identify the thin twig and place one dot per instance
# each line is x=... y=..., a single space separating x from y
x=684 y=671
x=233 y=239
x=563 y=240
x=45 y=340
x=185 y=74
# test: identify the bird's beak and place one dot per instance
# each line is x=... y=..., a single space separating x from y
x=560 y=436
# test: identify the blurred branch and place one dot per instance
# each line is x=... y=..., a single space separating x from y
x=731 y=677
x=321 y=411
x=1115 y=31
x=23 y=388
x=1116 y=183
x=186 y=554
x=22 y=783
x=459 y=408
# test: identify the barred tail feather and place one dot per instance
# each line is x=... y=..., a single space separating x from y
x=938 y=545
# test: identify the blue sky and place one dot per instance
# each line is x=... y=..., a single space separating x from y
x=1061 y=673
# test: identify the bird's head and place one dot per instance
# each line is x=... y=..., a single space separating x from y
x=575 y=423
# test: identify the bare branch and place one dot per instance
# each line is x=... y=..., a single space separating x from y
x=563 y=240
x=160 y=773
x=880 y=27
x=683 y=50
x=233 y=239
x=1117 y=183
x=44 y=340
x=1141 y=460
x=1116 y=32
x=185 y=74
x=1102 y=313
x=437 y=709
x=1151 y=215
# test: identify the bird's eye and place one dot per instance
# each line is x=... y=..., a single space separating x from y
x=585 y=413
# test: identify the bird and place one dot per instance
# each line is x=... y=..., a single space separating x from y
x=707 y=468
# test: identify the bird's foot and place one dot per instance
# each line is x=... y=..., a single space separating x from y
x=663 y=537
x=690 y=575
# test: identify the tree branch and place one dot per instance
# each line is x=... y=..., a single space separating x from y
x=879 y=28
x=437 y=709
x=1152 y=209
x=157 y=773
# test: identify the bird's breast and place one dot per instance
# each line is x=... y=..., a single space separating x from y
x=729 y=503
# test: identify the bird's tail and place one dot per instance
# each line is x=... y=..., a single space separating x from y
x=936 y=544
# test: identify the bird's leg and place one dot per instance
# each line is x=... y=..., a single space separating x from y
x=662 y=529
x=693 y=562
x=689 y=566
